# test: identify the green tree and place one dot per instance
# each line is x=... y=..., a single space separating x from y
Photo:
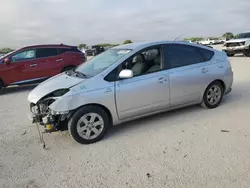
x=193 y=39
x=5 y=50
x=127 y=41
x=82 y=46
x=228 y=35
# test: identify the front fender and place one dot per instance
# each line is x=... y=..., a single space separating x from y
x=104 y=96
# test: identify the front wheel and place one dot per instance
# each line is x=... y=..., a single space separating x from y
x=213 y=95
x=68 y=68
x=88 y=124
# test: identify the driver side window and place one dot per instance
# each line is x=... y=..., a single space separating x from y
x=24 y=55
x=144 y=62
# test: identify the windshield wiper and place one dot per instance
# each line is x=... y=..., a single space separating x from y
x=80 y=73
x=76 y=73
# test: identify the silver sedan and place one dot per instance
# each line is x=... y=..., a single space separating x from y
x=129 y=82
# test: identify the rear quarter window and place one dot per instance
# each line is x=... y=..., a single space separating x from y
x=206 y=54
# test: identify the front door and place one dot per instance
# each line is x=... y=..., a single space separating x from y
x=148 y=90
x=17 y=70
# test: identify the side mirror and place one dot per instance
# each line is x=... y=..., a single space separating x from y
x=7 y=60
x=126 y=73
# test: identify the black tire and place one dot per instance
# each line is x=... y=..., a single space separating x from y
x=1 y=85
x=68 y=68
x=73 y=124
x=230 y=55
x=247 y=54
x=206 y=103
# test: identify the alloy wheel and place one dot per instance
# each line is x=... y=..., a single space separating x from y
x=90 y=126
x=214 y=95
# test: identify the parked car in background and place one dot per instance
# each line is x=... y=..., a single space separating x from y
x=129 y=82
x=239 y=45
x=94 y=50
x=35 y=63
x=207 y=42
x=220 y=41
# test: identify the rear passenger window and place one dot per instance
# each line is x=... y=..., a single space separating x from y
x=207 y=54
x=178 y=55
x=46 y=52
x=62 y=50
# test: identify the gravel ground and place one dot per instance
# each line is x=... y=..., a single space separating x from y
x=191 y=147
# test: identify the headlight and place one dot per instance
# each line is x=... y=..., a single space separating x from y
x=59 y=112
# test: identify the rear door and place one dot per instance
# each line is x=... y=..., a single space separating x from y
x=48 y=62
x=189 y=72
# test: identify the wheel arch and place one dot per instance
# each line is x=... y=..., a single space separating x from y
x=98 y=105
x=67 y=66
x=217 y=80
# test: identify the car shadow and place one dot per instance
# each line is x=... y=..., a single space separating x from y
x=154 y=120
x=15 y=89
x=174 y=116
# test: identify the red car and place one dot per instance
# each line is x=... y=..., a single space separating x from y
x=37 y=63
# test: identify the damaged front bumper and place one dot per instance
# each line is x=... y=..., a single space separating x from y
x=53 y=121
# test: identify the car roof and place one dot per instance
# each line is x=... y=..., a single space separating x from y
x=48 y=46
x=139 y=45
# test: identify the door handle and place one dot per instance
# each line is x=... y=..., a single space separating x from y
x=59 y=60
x=161 y=80
x=204 y=70
x=33 y=65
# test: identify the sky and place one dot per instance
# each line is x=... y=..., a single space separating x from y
x=28 y=22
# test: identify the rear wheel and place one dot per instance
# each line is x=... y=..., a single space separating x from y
x=247 y=54
x=88 y=124
x=230 y=54
x=1 y=85
x=68 y=68
x=213 y=95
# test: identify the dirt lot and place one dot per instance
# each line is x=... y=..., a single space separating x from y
x=184 y=148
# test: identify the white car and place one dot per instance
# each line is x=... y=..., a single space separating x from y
x=207 y=42
x=239 y=45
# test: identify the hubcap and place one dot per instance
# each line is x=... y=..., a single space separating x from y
x=90 y=126
x=214 y=95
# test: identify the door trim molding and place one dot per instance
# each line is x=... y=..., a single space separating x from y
x=27 y=81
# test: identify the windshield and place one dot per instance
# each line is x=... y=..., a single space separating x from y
x=243 y=36
x=101 y=62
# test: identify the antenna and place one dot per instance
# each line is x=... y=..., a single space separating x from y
x=178 y=37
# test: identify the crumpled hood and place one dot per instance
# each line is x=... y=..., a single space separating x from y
x=237 y=40
x=61 y=81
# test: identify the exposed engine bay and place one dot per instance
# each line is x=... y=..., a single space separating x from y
x=43 y=115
